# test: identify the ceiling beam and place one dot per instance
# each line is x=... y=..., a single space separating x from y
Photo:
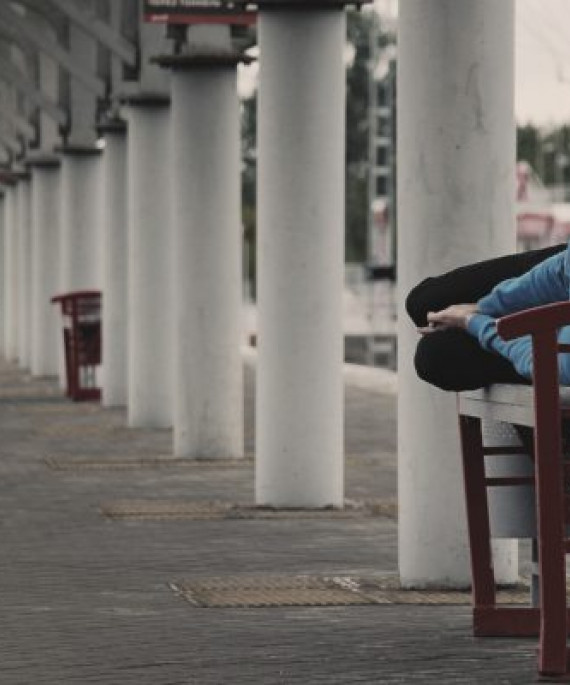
x=22 y=83
x=99 y=30
x=42 y=10
x=23 y=126
x=25 y=32
x=12 y=144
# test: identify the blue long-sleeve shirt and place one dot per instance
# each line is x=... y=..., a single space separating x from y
x=546 y=283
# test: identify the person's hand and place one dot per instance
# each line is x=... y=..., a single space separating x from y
x=455 y=316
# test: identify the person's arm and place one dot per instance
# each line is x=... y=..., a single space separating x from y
x=545 y=283
x=484 y=328
x=519 y=350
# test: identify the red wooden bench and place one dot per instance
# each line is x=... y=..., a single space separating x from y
x=541 y=406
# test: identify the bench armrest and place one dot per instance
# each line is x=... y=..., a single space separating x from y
x=548 y=317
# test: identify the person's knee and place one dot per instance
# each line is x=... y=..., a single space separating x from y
x=452 y=360
x=420 y=301
x=431 y=362
x=469 y=283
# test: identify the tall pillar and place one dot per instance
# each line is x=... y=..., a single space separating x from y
x=150 y=292
x=301 y=148
x=456 y=174
x=80 y=266
x=46 y=336
x=11 y=274
x=2 y=298
x=115 y=259
x=205 y=137
x=46 y=343
x=24 y=268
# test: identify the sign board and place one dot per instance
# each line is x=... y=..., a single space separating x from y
x=197 y=12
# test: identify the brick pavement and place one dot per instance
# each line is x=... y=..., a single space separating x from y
x=86 y=599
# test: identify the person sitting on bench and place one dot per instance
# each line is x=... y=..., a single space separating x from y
x=459 y=348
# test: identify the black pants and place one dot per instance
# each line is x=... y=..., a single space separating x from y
x=451 y=359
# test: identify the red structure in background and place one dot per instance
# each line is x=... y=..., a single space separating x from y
x=540 y=221
x=82 y=342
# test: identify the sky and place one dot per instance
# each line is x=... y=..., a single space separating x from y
x=542 y=60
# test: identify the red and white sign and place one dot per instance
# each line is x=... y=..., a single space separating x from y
x=197 y=12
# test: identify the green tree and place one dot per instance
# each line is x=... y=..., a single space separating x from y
x=359 y=26
x=249 y=176
x=547 y=151
x=555 y=153
x=528 y=145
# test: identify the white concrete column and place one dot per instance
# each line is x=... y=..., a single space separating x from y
x=115 y=261
x=80 y=246
x=2 y=298
x=301 y=145
x=47 y=344
x=456 y=175
x=11 y=274
x=150 y=353
x=208 y=395
x=24 y=268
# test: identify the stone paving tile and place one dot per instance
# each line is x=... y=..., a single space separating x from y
x=88 y=600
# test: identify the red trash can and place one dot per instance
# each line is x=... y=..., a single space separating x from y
x=82 y=342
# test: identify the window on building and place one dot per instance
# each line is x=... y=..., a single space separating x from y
x=381 y=156
x=381 y=186
x=381 y=95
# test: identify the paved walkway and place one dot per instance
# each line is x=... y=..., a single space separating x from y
x=86 y=598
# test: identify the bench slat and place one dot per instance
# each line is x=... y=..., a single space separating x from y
x=510 y=403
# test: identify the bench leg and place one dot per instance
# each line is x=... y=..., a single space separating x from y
x=478 y=526
x=551 y=553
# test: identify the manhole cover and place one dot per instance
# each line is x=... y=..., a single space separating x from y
x=31 y=397
x=157 y=510
x=24 y=390
x=73 y=430
x=120 y=463
x=36 y=405
x=307 y=590
x=277 y=591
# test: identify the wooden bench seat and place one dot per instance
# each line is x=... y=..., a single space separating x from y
x=508 y=403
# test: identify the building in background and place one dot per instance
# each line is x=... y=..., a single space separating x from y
x=541 y=220
x=382 y=157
